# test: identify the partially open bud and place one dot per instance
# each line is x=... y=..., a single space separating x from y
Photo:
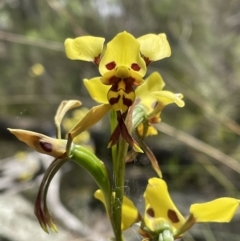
x=41 y=143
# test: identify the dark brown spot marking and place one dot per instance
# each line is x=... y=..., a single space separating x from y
x=135 y=67
x=127 y=102
x=46 y=146
x=128 y=87
x=113 y=80
x=173 y=216
x=150 y=212
x=111 y=65
x=113 y=101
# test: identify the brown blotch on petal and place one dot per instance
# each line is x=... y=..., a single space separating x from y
x=127 y=102
x=173 y=216
x=150 y=212
x=128 y=87
x=135 y=67
x=46 y=146
x=111 y=65
x=114 y=81
x=113 y=101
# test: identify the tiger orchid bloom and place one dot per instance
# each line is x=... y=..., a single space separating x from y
x=122 y=66
x=162 y=215
x=123 y=63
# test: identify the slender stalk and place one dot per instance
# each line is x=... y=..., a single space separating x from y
x=119 y=158
x=119 y=172
x=113 y=216
x=113 y=123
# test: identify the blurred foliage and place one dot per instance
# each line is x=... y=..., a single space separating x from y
x=204 y=66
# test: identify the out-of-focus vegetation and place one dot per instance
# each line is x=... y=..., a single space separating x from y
x=35 y=76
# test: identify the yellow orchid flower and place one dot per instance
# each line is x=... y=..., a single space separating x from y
x=122 y=66
x=159 y=206
x=162 y=214
x=123 y=63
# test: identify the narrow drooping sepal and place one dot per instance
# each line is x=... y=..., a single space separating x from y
x=122 y=130
x=41 y=209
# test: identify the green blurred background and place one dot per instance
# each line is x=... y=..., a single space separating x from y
x=198 y=145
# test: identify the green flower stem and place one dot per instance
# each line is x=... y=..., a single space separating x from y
x=119 y=173
x=113 y=122
x=119 y=158
x=113 y=215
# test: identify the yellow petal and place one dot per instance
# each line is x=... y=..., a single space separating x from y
x=130 y=213
x=154 y=47
x=153 y=82
x=85 y=48
x=97 y=90
x=167 y=97
x=218 y=210
x=123 y=50
x=143 y=92
x=159 y=202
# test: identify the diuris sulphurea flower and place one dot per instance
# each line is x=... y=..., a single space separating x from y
x=161 y=214
x=122 y=65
